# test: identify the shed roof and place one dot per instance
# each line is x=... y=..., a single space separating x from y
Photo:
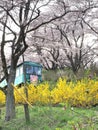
x=30 y=63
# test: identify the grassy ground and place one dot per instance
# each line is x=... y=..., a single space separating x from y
x=53 y=118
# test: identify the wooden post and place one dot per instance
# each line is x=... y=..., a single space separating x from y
x=0 y=118
x=26 y=109
x=0 y=113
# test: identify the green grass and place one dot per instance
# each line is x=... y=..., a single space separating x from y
x=52 y=118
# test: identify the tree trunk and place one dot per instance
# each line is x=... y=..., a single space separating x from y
x=10 y=99
x=10 y=103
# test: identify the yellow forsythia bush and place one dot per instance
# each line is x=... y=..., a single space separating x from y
x=2 y=98
x=62 y=92
x=39 y=94
x=81 y=93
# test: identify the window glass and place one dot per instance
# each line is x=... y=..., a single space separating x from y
x=37 y=70
x=33 y=70
x=29 y=69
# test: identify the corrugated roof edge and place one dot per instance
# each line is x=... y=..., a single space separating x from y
x=30 y=62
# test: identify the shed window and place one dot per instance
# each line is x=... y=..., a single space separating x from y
x=33 y=70
x=29 y=69
x=37 y=70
